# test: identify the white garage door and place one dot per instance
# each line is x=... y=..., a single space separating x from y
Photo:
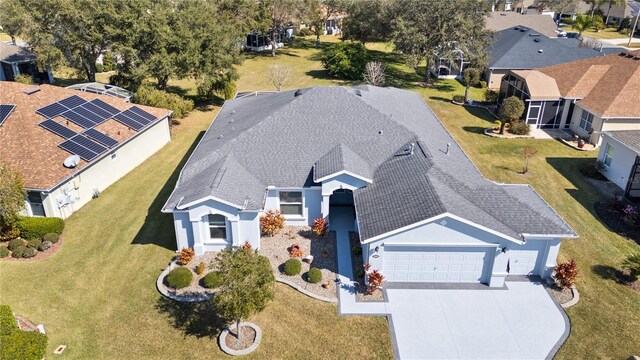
x=436 y=264
x=522 y=262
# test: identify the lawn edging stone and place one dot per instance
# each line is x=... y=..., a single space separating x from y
x=576 y=298
x=256 y=342
x=184 y=298
x=489 y=132
x=308 y=293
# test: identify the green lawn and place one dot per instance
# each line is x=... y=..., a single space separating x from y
x=97 y=294
x=632 y=45
x=609 y=33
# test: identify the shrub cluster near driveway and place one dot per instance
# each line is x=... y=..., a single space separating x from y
x=16 y=344
x=38 y=227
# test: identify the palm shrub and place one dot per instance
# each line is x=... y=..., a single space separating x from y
x=292 y=267
x=566 y=274
x=179 y=278
x=346 y=60
x=314 y=275
x=632 y=263
x=271 y=222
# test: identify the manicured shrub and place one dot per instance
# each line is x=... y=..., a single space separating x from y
x=320 y=226
x=632 y=263
x=179 y=278
x=212 y=280
x=147 y=95
x=15 y=243
x=519 y=128
x=345 y=60
x=314 y=275
x=566 y=274
x=23 y=345
x=271 y=222
x=29 y=252
x=18 y=252
x=292 y=267
x=185 y=255
x=38 y=227
x=45 y=245
x=4 y=252
x=51 y=237
x=34 y=243
x=490 y=96
x=7 y=321
x=458 y=98
x=511 y=109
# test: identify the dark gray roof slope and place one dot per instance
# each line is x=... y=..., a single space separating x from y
x=630 y=138
x=519 y=48
x=12 y=54
x=288 y=139
x=338 y=159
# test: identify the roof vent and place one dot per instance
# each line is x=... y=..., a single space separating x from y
x=71 y=161
x=299 y=92
x=411 y=148
x=540 y=51
x=220 y=136
x=523 y=30
x=233 y=111
x=447 y=151
x=231 y=121
x=31 y=90
x=380 y=132
x=534 y=34
x=358 y=92
x=516 y=28
x=536 y=40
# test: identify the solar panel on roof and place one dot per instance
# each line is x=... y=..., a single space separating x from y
x=142 y=113
x=89 y=144
x=78 y=119
x=104 y=106
x=5 y=110
x=101 y=138
x=85 y=148
x=124 y=119
x=58 y=129
x=136 y=117
x=52 y=110
x=89 y=114
x=72 y=101
x=96 y=110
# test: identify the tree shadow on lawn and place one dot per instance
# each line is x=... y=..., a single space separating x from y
x=199 y=319
x=158 y=227
x=583 y=193
x=481 y=113
x=474 y=129
x=610 y=273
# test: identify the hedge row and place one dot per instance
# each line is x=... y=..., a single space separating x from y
x=16 y=344
x=38 y=227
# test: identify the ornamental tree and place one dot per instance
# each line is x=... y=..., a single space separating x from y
x=247 y=284
x=510 y=110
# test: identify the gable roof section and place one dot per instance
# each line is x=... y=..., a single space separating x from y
x=291 y=135
x=338 y=160
x=519 y=48
x=34 y=150
x=14 y=54
x=543 y=24
x=630 y=138
x=541 y=86
x=608 y=85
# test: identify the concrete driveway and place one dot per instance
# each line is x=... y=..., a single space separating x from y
x=522 y=322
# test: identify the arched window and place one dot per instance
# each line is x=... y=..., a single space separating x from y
x=217 y=226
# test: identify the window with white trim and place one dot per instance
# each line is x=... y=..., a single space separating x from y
x=586 y=120
x=291 y=203
x=217 y=227
x=608 y=155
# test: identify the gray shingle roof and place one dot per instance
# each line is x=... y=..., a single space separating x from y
x=338 y=159
x=630 y=138
x=12 y=54
x=519 y=48
x=279 y=139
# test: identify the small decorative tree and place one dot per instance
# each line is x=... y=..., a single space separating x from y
x=320 y=226
x=510 y=110
x=271 y=222
x=375 y=280
x=278 y=75
x=374 y=73
x=566 y=274
x=247 y=284
x=632 y=263
x=528 y=154
x=471 y=77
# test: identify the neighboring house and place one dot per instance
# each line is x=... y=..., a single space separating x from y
x=617 y=13
x=423 y=211
x=333 y=24
x=103 y=89
x=587 y=96
x=257 y=41
x=43 y=127
x=17 y=60
x=620 y=157
x=542 y=24
x=445 y=69
x=521 y=48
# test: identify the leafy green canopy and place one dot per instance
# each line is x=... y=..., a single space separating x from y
x=345 y=60
x=11 y=196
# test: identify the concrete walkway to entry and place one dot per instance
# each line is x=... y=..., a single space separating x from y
x=519 y=322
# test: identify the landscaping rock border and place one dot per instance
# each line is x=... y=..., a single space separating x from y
x=570 y=144
x=181 y=298
x=250 y=349
x=576 y=298
x=306 y=292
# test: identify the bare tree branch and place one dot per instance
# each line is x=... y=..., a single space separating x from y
x=374 y=73
x=278 y=75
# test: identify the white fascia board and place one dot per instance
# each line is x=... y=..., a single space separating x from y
x=548 y=236
x=344 y=172
x=485 y=245
x=184 y=206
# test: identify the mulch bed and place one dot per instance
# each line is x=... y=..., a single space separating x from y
x=247 y=337
x=561 y=295
x=323 y=250
x=612 y=218
x=356 y=262
x=40 y=255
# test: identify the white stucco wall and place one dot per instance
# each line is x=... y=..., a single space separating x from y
x=451 y=232
x=311 y=205
x=622 y=162
x=104 y=172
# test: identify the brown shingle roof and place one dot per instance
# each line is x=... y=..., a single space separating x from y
x=34 y=150
x=608 y=86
